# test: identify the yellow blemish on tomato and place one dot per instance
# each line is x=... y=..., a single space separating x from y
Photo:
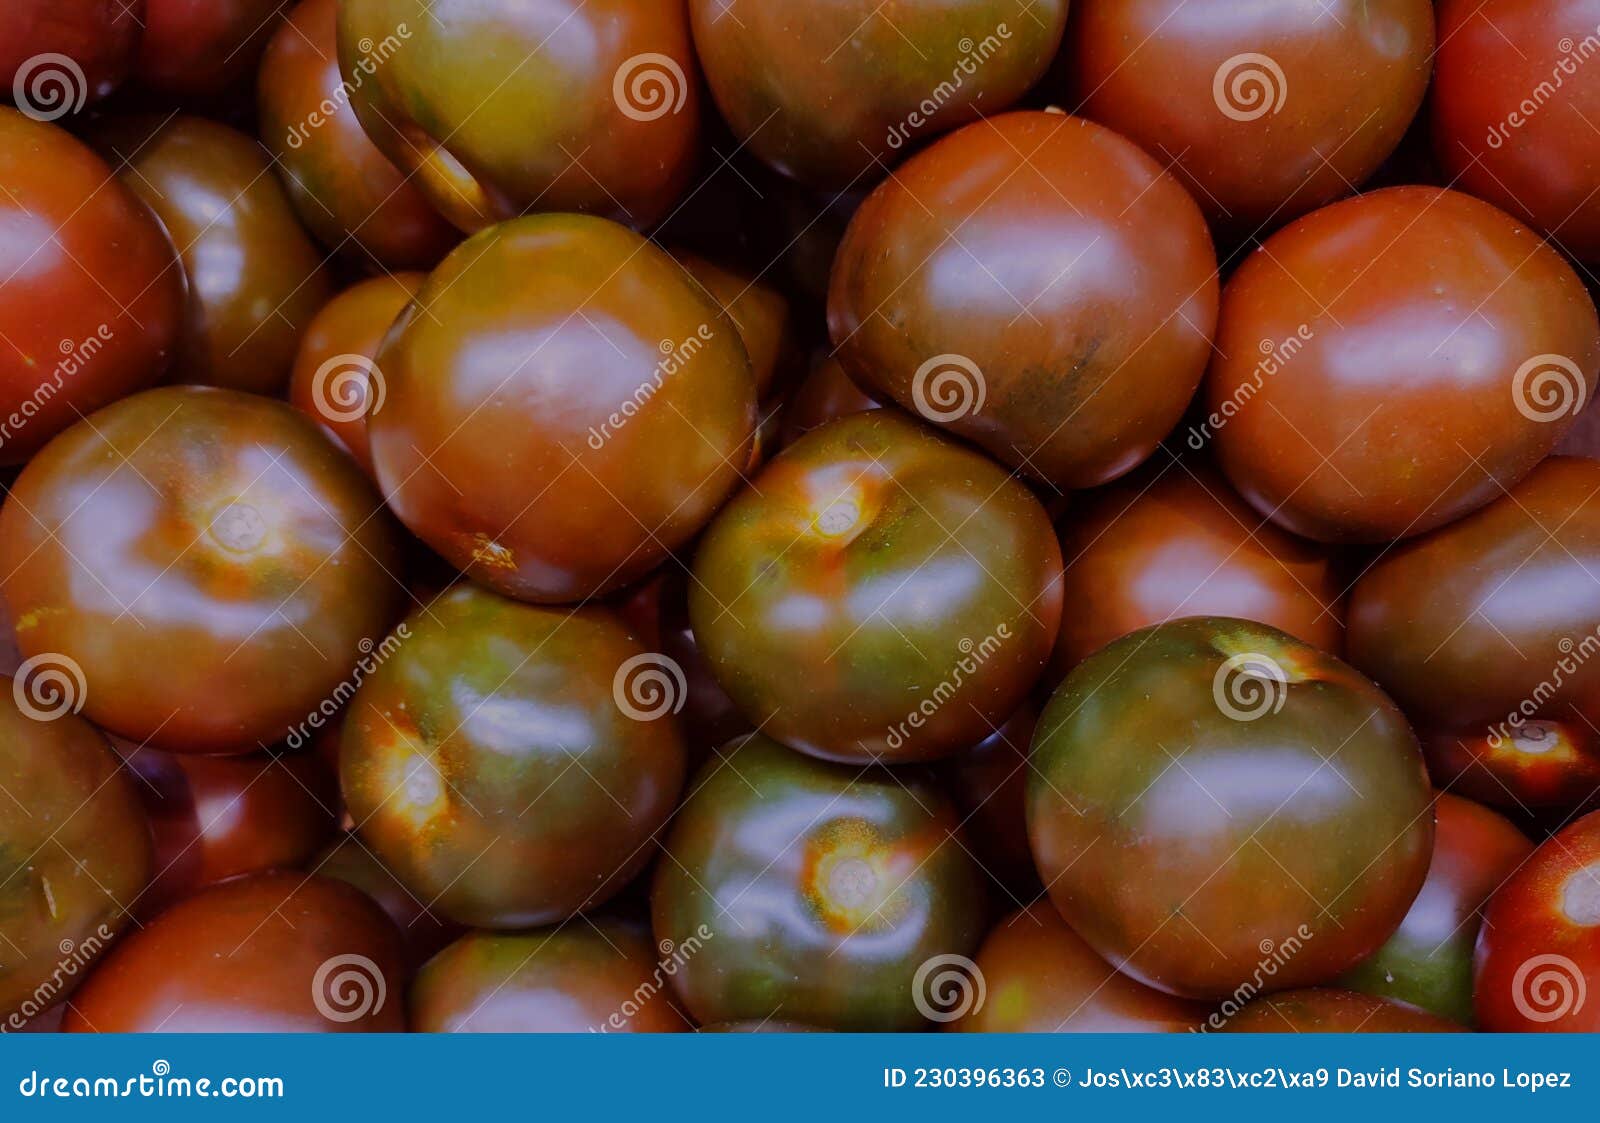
x=412 y=787
x=1580 y=897
x=487 y=552
x=1263 y=657
x=851 y=878
x=1544 y=739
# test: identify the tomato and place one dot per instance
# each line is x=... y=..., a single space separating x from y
x=1428 y=961
x=878 y=593
x=425 y=932
x=332 y=379
x=760 y=312
x=345 y=191
x=1266 y=111
x=511 y=764
x=268 y=953
x=97 y=37
x=598 y=976
x=498 y=107
x=822 y=893
x=1391 y=363
x=1037 y=284
x=989 y=783
x=1514 y=98
x=75 y=850
x=212 y=563
x=93 y=303
x=1539 y=764
x=1537 y=965
x=541 y=365
x=1326 y=1010
x=830 y=91
x=203 y=49
x=255 y=280
x=1215 y=803
x=1177 y=541
x=824 y=394
x=1040 y=977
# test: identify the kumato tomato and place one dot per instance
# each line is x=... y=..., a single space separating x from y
x=426 y=932
x=1395 y=361
x=268 y=953
x=761 y=313
x=1037 y=284
x=74 y=858
x=542 y=364
x=511 y=764
x=1537 y=765
x=824 y=394
x=820 y=893
x=1266 y=111
x=1326 y=1010
x=878 y=593
x=205 y=49
x=592 y=976
x=1040 y=977
x=1538 y=955
x=98 y=37
x=832 y=91
x=1214 y=803
x=989 y=783
x=209 y=560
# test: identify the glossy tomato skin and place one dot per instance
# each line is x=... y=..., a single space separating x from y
x=1497 y=59
x=97 y=306
x=210 y=560
x=1328 y=1010
x=1395 y=361
x=760 y=312
x=878 y=593
x=510 y=763
x=73 y=867
x=1428 y=961
x=1537 y=965
x=203 y=49
x=99 y=36
x=1042 y=978
x=842 y=884
x=541 y=365
x=500 y=107
x=1178 y=541
x=573 y=979
x=989 y=783
x=345 y=191
x=425 y=931
x=831 y=92
x=1036 y=283
x=1265 y=112
x=1539 y=765
x=823 y=395
x=256 y=279
x=332 y=380
x=1211 y=793
x=268 y=953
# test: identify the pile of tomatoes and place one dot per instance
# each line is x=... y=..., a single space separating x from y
x=799 y=514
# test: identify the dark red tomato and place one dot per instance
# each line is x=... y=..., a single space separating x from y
x=824 y=394
x=201 y=49
x=212 y=562
x=831 y=91
x=1214 y=803
x=63 y=54
x=218 y=817
x=1391 y=363
x=565 y=406
x=815 y=892
x=1040 y=977
x=878 y=593
x=1514 y=99
x=759 y=311
x=1491 y=623
x=1326 y=1010
x=1266 y=111
x=268 y=953
x=1538 y=955
x=1428 y=962
x=1178 y=541
x=335 y=370
x=92 y=306
x=346 y=192
x=499 y=107
x=255 y=278
x=425 y=931
x=590 y=977
x=74 y=847
x=1539 y=764
x=1039 y=285
x=989 y=783
x=511 y=764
